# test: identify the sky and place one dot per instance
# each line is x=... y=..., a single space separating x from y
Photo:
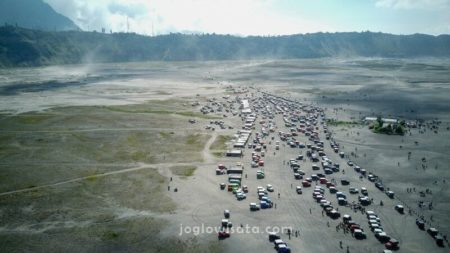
x=258 y=17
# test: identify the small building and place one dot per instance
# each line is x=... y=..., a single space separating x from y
x=390 y=121
x=370 y=119
x=385 y=120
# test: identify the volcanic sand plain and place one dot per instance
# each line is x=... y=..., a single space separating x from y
x=88 y=153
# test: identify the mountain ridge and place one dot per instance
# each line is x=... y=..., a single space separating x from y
x=34 y=14
x=26 y=47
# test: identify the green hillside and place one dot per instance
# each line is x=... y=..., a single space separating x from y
x=25 y=47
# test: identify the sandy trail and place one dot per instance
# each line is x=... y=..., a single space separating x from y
x=208 y=160
x=93 y=130
x=140 y=167
x=207 y=157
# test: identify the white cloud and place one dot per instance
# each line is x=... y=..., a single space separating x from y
x=413 y=4
x=244 y=17
x=428 y=16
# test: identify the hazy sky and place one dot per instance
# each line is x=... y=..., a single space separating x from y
x=259 y=17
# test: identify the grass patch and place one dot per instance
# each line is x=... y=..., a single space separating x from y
x=194 y=140
x=164 y=93
x=390 y=129
x=220 y=142
x=138 y=156
x=180 y=113
x=218 y=154
x=132 y=139
x=31 y=119
x=91 y=178
x=164 y=107
x=110 y=235
x=219 y=146
x=183 y=171
x=137 y=110
x=140 y=190
x=69 y=152
x=166 y=134
x=332 y=122
x=196 y=115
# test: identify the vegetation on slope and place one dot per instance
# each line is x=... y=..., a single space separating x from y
x=34 y=14
x=391 y=129
x=333 y=122
x=23 y=47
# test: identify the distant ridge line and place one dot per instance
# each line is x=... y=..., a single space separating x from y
x=26 y=47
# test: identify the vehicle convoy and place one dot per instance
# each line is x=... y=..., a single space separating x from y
x=310 y=168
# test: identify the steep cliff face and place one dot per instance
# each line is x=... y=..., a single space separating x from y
x=33 y=14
